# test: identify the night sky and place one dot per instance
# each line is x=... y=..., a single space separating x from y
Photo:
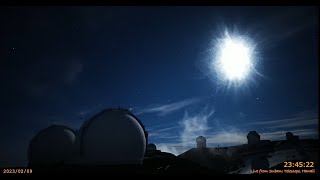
x=61 y=65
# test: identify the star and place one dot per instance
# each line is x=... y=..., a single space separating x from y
x=12 y=50
x=257 y=98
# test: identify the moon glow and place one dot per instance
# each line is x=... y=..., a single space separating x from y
x=234 y=58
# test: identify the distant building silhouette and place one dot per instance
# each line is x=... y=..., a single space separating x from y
x=201 y=142
x=115 y=140
x=212 y=158
x=291 y=138
x=151 y=147
x=289 y=135
x=151 y=150
x=253 y=138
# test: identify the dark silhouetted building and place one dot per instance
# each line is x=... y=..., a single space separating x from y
x=214 y=159
x=253 y=138
x=291 y=138
x=51 y=146
x=201 y=142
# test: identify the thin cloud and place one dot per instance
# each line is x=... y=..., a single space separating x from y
x=313 y=112
x=197 y=124
x=191 y=125
x=166 y=129
x=297 y=123
x=224 y=138
x=280 y=135
x=173 y=148
x=164 y=133
x=306 y=118
x=166 y=109
x=227 y=138
x=214 y=140
x=278 y=121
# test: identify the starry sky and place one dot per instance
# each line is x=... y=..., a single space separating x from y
x=61 y=65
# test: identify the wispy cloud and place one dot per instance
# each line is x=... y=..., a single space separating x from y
x=224 y=138
x=165 y=109
x=221 y=139
x=306 y=118
x=290 y=122
x=191 y=127
x=166 y=129
x=165 y=133
x=174 y=148
x=280 y=135
x=303 y=124
x=194 y=126
x=217 y=139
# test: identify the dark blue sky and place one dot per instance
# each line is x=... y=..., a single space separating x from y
x=63 y=64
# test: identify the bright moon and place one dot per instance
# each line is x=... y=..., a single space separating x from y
x=233 y=59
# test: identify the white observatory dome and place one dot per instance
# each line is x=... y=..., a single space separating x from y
x=51 y=146
x=112 y=137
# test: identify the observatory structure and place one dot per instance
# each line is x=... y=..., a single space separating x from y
x=112 y=137
x=253 y=138
x=201 y=142
x=51 y=146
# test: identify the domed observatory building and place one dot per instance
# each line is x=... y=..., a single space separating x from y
x=112 y=137
x=201 y=142
x=253 y=138
x=51 y=146
x=151 y=148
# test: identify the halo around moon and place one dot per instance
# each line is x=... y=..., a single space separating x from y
x=234 y=59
